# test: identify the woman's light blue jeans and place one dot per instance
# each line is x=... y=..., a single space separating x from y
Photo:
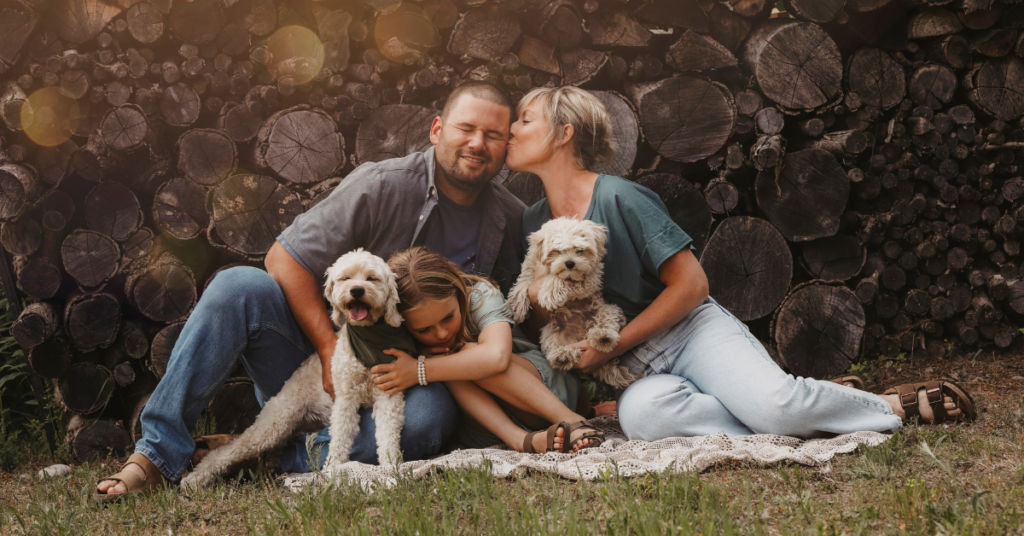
x=243 y=315
x=708 y=374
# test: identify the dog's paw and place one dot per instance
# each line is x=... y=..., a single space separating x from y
x=197 y=480
x=564 y=357
x=603 y=340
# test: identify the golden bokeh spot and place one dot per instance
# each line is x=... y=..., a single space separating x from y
x=49 y=118
x=296 y=52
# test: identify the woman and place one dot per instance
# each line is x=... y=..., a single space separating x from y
x=461 y=321
x=706 y=372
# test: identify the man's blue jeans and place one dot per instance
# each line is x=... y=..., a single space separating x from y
x=243 y=314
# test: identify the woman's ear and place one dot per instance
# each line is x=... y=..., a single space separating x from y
x=391 y=314
x=567 y=133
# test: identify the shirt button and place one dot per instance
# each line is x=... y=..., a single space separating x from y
x=421 y=217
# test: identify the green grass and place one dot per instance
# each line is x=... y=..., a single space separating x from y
x=924 y=480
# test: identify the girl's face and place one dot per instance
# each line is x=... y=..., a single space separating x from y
x=435 y=323
x=526 y=148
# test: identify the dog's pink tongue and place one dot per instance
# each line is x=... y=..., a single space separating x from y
x=358 y=313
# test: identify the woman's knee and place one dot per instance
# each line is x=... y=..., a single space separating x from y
x=644 y=405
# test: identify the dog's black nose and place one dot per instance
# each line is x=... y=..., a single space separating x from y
x=570 y=264
x=357 y=292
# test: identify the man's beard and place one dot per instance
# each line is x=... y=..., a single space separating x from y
x=459 y=179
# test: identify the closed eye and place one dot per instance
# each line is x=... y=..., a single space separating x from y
x=372 y=279
x=581 y=250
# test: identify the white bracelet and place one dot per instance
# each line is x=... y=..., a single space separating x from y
x=421 y=370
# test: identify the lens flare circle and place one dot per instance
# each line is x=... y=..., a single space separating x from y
x=48 y=118
x=296 y=53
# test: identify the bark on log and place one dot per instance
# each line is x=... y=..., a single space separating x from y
x=20 y=187
x=179 y=208
x=625 y=132
x=806 y=199
x=696 y=52
x=206 y=156
x=163 y=345
x=393 y=131
x=22 y=236
x=749 y=266
x=51 y=358
x=301 y=145
x=684 y=118
x=815 y=10
x=818 y=330
x=85 y=388
x=249 y=211
x=165 y=290
x=112 y=209
x=796 y=64
x=91 y=440
x=687 y=205
x=35 y=325
x=234 y=408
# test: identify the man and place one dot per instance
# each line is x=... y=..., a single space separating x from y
x=443 y=198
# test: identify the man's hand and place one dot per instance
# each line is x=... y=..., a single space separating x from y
x=591 y=358
x=397 y=376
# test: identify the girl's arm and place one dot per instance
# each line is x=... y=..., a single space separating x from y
x=686 y=287
x=489 y=357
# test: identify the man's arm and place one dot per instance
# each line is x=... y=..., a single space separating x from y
x=306 y=299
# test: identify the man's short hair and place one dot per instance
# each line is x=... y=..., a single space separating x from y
x=480 y=90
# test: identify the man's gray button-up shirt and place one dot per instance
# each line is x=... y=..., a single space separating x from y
x=383 y=206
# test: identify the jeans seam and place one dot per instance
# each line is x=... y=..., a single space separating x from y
x=160 y=464
x=271 y=327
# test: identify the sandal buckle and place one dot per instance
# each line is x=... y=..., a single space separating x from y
x=908 y=400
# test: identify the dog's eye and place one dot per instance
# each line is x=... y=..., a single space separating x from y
x=345 y=278
x=581 y=250
x=371 y=279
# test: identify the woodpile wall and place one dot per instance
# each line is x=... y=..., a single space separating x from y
x=847 y=167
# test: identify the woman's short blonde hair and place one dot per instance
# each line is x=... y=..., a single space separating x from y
x=592 y=141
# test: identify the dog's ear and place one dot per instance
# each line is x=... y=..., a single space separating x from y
x=391 y=314
x=598 y=234
x=519 y=296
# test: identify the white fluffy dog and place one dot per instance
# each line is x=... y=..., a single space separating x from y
x=361 y=290
x=571 y=251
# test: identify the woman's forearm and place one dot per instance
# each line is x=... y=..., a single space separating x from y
x=686 y=288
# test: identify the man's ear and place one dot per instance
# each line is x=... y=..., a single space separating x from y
x=435 y=130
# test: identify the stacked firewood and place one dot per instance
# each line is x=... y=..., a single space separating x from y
x=847 y=168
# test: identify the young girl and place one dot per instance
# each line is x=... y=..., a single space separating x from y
x=504 y=386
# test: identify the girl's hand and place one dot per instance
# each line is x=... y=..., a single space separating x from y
x=591 y=358
x=395 y=377
x=431 y=351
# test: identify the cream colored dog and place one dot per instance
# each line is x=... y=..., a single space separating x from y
x=571 y=251
x=362 y=291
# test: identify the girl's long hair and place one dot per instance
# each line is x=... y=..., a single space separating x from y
x=423 y=275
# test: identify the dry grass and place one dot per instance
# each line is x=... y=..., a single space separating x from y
x=925 y=480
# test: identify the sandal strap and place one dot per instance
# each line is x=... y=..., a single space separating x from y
x=935 y=390
x=133 y=482
x=552 y=434
x=590 y=432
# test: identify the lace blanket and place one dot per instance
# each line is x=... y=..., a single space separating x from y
x=617 y=454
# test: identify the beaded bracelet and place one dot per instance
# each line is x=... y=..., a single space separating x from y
x=421 y=370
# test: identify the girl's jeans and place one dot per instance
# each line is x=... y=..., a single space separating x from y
x=708 y=374
x=243 y=315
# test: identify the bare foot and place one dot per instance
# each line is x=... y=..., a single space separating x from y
x=114 y=487
x=606 y=408
x=927 y=415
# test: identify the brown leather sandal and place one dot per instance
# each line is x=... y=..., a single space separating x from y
x=132 y=482
x=857 y=381
x=551 y=430
x=936 y=390
x=595 y=436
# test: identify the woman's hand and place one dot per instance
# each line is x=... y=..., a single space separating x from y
x=397 y=376
x=591 y=358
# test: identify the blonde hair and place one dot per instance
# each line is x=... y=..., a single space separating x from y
x=592 y=126
x=423 y=275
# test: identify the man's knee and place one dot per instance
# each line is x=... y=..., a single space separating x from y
x=431 y=415
x=232 y=287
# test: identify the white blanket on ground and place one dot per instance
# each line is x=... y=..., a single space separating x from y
x=619 y=455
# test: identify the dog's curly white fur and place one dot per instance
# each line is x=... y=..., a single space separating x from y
x=571 y=251
x=361 y=289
